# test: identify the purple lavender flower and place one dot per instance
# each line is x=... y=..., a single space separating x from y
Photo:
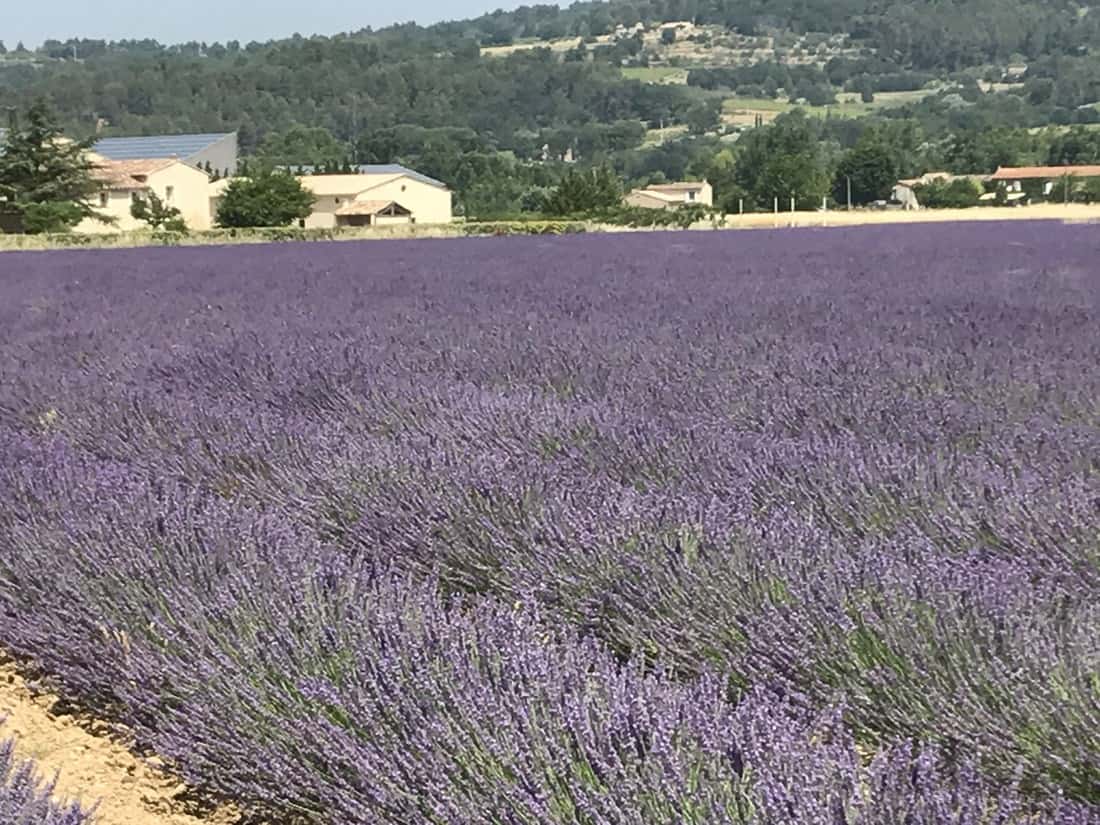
x=26 y=801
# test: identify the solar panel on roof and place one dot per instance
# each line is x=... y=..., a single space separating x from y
x=157 y=146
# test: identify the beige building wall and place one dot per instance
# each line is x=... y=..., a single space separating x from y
x=428 y=204
x=189 y=193
x=668 y=196
x=179 y=185
x=391 y=220
x=114 y=204
x=704 y=194
x=642 y=200
x=324 y=210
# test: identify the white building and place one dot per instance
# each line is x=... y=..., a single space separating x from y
x=672 y=195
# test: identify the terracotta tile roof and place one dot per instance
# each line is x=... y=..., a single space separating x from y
x=129 y=174
x=1033 y=172
x=370 y=208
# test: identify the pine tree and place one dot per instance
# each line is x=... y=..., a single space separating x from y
x=46 y=180
x=585 y=192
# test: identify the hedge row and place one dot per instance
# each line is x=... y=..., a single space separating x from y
x=288 y=234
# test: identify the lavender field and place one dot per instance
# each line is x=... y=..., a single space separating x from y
x=755 y=528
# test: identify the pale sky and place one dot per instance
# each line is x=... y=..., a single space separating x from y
x=178 y=21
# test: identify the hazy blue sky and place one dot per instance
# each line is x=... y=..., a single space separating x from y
x=210 y=20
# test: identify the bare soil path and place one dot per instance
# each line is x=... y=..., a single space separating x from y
x=91 y=768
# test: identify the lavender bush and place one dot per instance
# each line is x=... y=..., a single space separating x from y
x=24 y=801
x=412 y=535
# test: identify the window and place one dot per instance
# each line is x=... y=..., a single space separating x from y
x=301 y=223
x=403 y=187
x=691 y=196
x=103 y=197
x=337 y=201
x=169 y=191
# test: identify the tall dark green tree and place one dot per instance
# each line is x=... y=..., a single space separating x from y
x=266 y=198
x=1077 y=146
x=585 y=192
x=302 y=145
x=872 y=168
x=783 y=160
x=703 y=117
x=47 y=181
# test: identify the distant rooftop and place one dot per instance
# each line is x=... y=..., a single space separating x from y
x=157 y=146
x=682 y=186
x=1031 y=172
x=129 y=174
x=376 y=169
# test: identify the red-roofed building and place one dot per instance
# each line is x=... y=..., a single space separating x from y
x=176 y=183
x=1044 y=180
x=1008 y=173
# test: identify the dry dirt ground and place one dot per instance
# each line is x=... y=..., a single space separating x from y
x=768 y=220
x=92 y=768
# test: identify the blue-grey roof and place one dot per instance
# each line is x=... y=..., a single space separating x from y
x=158 y=146
x=398 y=169
x=373 y=169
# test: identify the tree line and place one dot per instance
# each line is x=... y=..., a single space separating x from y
x=49 y=184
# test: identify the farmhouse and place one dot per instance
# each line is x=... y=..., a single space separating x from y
x=671 y=195
x=176 y=183
x=218 y=150
x=379 y=195
x=1041 y=179
x=905 y=190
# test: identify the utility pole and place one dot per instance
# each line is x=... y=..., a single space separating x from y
x=848 y=178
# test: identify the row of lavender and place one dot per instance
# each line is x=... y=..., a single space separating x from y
x=274 y=671
x=25 y=801
x=825 y=478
